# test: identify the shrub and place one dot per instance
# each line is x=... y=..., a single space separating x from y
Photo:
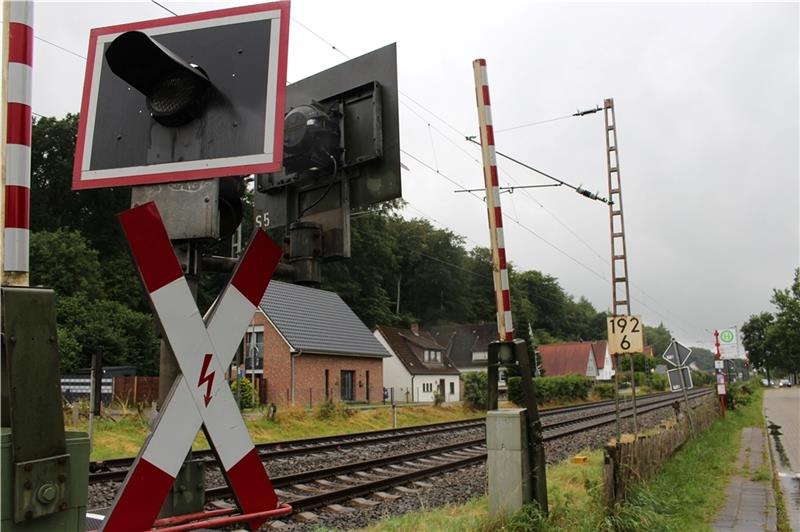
x=604 y=391
x=248 y=399
x=741 y=393
x=333 y=410
x=657 y=382
x=438 y=398
x=569 y=388
x=476 y=385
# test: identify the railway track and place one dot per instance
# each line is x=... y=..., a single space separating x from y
x=363 y=483
x=116 y=469
x=312 y=489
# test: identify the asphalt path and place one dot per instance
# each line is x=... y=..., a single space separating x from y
x=782 y=407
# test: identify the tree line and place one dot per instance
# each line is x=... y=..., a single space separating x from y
x=401 y=271
x=772 y=340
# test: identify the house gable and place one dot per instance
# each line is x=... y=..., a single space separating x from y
x=410 y=349
x=567 y=359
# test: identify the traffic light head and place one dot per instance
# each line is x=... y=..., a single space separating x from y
x=184 y=98
x=341 y=149
x=507 y=353
x=177 y=91
x=310 y=139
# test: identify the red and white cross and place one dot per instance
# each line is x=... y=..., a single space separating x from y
x=200 y=395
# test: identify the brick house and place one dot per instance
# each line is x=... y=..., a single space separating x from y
x=418 y=366
x=571 y=358
x=305 y=345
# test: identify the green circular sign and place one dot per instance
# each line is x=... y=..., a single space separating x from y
x=726 y=336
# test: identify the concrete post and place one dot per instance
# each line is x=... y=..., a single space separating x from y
x=507 y=464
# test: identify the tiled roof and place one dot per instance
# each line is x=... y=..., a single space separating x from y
x=404 y=343
x=463 y=340
x=565 y=359
x=318 y=321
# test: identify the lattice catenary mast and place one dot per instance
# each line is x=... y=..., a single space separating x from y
x=619 y=259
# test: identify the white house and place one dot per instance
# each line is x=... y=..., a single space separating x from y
x=418 y=366
x=605 y=365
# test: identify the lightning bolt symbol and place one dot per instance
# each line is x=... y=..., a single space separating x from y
x=207 y=379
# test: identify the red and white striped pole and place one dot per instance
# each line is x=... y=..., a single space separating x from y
x=16 y=226
x=505 y=325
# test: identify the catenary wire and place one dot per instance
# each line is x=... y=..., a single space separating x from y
x=446 y=123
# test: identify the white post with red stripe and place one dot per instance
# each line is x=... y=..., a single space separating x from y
x=505 y=325
x=200 y=395
x=17 y=176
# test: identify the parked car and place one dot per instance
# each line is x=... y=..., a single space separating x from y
x=784 y=383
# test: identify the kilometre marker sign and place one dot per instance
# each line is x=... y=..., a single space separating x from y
x=625 y=335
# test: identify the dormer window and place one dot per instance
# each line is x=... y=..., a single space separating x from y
x=432 y=355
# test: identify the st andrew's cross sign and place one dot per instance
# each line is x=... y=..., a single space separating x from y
x=200 y=395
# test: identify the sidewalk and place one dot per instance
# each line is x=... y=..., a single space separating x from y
x=749 y=502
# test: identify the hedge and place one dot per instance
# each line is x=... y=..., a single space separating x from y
x=569 y=388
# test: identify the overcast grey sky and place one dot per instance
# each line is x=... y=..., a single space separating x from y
x=707 y=111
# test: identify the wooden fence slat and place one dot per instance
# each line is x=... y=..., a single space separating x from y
x=638 y=459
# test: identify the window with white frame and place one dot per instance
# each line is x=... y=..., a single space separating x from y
x=480 y=356
x=427 y=387
x=432 y=355
x=254 y=350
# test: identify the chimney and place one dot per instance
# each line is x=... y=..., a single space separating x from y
x=414 y=328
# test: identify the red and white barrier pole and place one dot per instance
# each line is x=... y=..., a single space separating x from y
x=720 y=374
x=505 y=325
x=17 y=156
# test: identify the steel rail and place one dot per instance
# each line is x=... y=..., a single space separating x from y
x=116 y=468
x=552 y=432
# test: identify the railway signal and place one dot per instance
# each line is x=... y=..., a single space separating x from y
x=341 y=152
x=184 y=98
x=200 y=395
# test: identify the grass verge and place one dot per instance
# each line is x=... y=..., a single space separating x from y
x=684 y=496
x=124 y=437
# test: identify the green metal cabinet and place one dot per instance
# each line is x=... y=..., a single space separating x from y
x=73 y=518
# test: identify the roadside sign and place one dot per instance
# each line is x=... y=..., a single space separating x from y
x=721 y=389
x=675 y=382
x=720 y=378
x=676 y=353
x=625 y=335
x=184 y=98
x=719 y=364
x=727 y=336
x=200 y=396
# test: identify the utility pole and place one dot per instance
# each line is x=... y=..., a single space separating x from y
x=619 y=261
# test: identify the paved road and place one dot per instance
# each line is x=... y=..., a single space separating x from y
x=782 y=407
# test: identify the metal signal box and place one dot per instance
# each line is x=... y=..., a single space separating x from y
x=73 y=515
x=341 y=150
x=43 y=473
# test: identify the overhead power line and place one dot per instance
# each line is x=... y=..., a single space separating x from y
x=530 y=124
x=451 y=127
x=165 y=8
x=60 y=47
x=578 y=189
